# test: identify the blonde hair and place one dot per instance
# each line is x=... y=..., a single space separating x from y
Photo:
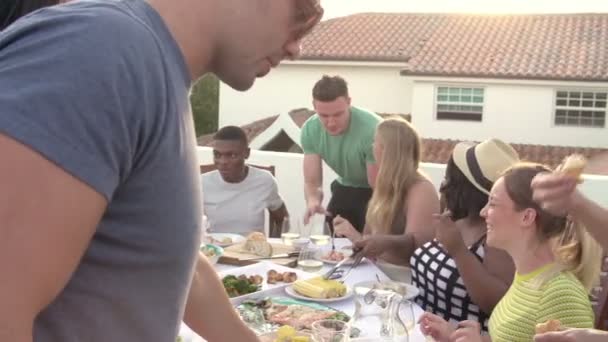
x=397 y=173
x=575 y=250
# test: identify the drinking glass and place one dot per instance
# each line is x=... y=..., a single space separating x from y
x=321 y=232
x=406 y=313
x=330 y=330
x=309 y=260
x=289 y=232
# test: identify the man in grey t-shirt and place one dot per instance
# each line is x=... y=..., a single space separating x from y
x=100 y=205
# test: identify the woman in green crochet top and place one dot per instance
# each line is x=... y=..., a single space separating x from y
x=556 y=264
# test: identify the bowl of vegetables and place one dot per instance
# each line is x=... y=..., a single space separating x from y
x=212 y=252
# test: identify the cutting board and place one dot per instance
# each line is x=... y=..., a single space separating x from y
x=236 y=255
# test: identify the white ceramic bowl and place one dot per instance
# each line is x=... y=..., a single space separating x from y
x=300 y=243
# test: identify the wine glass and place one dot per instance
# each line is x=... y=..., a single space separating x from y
x=406 y=313
x=321 y=232
x=289 y=232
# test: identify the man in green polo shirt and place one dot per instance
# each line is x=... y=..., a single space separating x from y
x=341 y=135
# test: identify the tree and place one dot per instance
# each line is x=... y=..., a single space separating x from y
x=205 y=99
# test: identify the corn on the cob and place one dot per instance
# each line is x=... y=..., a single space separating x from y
x=320 y=288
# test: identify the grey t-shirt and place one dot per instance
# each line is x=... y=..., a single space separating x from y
x=101 y=89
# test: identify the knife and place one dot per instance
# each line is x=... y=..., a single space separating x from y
x=276 y=256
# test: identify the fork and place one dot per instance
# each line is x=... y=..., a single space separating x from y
x=333 y=270
x=356 y=262
x=333 y=239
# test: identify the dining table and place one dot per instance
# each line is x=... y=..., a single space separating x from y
x=366 y=271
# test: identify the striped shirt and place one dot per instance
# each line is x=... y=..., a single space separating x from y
x=536 y=297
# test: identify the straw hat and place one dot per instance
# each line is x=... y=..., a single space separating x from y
x=483 y=163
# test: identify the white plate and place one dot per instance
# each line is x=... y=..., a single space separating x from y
x=262 y=268
x=347 y=253
x=292 y=293
x=236 y=238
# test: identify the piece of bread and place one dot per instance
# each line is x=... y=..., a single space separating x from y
x=257 y=244
x=573 y=165
x=548 y=326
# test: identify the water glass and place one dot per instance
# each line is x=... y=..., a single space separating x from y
x=321 y=233
x=289 y=232
x=309 y=259
x=330 y=330
x=406 y=314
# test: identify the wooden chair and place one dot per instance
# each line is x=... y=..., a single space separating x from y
x=272 y=227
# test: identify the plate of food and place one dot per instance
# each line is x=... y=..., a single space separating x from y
x=334 y=257
x=224 y=239
x=319 y=290
x=258 y=279
x=267 y=315
x=286 y=333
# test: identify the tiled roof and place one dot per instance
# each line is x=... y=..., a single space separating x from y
x=252 y=130
x=299 y=116
x=439 y=150
x=547 y=46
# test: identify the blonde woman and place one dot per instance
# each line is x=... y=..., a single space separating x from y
x=404 y=200
x=556 y=263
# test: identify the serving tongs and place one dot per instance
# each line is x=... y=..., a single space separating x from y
x=357 y=257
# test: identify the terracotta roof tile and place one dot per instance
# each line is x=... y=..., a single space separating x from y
x=439 y=150
x=252 y=130
x=299 y=116
x=548 y=46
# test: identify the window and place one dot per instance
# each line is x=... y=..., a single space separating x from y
x=457 y=103
x=580 y=108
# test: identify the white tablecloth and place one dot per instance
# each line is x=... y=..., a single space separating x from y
x=366 y=271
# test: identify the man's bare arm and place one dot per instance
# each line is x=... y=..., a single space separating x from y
x=47 y=219
x=313 y=181
x=209 y=312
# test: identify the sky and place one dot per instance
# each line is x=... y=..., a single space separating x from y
x=338 y=8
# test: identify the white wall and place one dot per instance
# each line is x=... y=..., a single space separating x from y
x=517 y=113
x=379 y=88
x=291 y=182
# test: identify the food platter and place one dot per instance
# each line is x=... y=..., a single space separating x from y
x=267 y=315
x=260 y=272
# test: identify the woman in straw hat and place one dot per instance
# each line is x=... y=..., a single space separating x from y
x=556 y=263
x=404 y=200
x=459 y=277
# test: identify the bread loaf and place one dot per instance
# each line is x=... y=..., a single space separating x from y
x=257 y=244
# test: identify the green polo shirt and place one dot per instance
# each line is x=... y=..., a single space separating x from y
x=348 y=153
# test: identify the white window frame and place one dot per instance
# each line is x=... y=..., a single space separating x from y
x=567 y=107
x=437 y=102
